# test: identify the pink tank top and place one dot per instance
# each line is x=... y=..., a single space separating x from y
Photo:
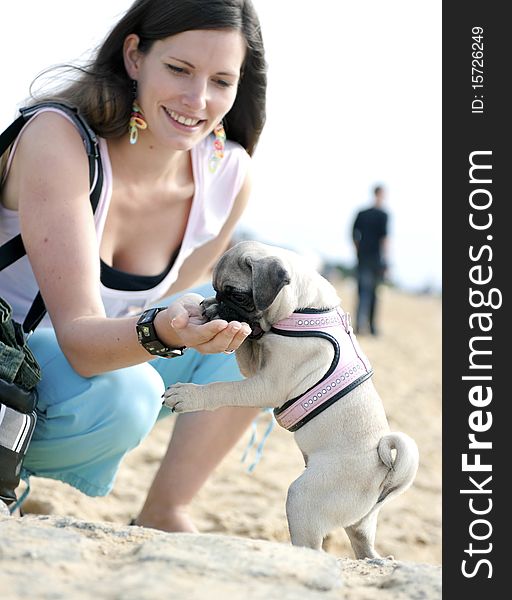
x=213 y=200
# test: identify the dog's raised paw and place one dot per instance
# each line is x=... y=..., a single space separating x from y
x=183 y=397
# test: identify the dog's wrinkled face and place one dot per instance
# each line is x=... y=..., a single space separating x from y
x=247 y=282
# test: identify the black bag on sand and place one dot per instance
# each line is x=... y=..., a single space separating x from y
x=19 y=374
x=16 y=429
x=19 y=371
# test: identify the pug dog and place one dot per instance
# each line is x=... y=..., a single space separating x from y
x=303 y=359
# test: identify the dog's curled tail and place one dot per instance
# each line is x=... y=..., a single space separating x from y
x=402 y=465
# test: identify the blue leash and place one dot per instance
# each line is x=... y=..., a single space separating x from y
x=15 y=505
x=252 y=441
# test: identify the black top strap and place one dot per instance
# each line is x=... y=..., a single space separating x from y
x=11 y=251
x=14 y=249
x=11 y=133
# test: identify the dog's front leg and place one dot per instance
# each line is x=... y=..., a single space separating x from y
x=257 y=391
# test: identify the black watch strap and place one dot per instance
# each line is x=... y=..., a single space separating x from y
x=148 y=338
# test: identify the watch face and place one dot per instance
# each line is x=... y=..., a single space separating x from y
x=145 y=330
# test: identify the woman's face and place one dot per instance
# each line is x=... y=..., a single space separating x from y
x=186 y=83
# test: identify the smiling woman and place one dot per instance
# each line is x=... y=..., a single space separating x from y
x=103 y=91
x=177 y=86
x=188 y=81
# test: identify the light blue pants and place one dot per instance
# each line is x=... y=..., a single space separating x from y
x=86 y=425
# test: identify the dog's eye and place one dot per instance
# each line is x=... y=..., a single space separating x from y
x=243 y=300
x=237 y=297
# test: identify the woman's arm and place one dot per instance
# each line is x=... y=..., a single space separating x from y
x=50 y=175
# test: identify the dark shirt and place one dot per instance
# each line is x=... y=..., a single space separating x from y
x=370 y=228
x=116 y=279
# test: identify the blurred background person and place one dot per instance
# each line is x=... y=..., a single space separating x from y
x=370 y=234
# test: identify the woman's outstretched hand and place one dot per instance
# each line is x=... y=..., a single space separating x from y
x=194 y=331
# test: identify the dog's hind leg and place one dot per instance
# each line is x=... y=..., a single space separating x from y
x=362 y=535
x=301 y=514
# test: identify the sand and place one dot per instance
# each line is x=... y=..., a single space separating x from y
x=406 y=357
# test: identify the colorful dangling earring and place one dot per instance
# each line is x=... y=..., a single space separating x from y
x=136 y=119
x=218 y=147
x=136 y=122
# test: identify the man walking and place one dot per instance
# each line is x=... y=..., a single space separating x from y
x=369 y=234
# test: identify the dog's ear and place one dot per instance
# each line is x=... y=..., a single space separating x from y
x=269 y=276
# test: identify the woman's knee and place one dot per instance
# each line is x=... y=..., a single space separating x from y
x=133 y=399
x=114 y=410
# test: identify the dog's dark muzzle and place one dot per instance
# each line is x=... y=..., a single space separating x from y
x=229 y=311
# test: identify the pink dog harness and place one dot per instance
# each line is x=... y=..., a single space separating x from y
x=349 y=368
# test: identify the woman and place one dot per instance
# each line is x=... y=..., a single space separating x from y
x=169 y=74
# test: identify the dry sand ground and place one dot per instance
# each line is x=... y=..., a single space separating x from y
x=407 y=362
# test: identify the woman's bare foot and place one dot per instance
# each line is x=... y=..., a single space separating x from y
x=172 y=520
x=199 y=442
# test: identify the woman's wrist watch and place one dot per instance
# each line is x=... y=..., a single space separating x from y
x=148 y=337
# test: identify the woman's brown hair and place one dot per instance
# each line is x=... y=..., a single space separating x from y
x=102 y=90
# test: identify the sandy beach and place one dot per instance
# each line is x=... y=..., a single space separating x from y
x=406 y=357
